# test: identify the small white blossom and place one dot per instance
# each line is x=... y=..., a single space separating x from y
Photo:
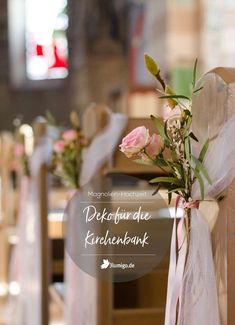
x=178 y=174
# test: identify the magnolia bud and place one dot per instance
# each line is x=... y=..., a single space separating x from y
x=151 y=65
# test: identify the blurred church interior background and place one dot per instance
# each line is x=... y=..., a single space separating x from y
x=58 y=56
x=63 y=55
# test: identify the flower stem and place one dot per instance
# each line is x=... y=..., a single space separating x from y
x=153 y=160
x=162 y=82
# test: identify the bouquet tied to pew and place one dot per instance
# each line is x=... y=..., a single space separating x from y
x=20 y=157
x=170 y=147
x=67 y=153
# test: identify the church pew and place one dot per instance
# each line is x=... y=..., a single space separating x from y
x=40 y=129
x=214 y=113
x=107 y=308
x=7 y=205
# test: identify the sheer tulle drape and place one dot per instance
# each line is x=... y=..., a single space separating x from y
x=214 y=118
x=199 y=303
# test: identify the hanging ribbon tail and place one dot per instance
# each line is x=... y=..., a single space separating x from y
x=199 y=299
x=171 y=274
x=176 y=270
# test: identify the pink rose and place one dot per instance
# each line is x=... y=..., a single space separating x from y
x=135 y=141
x=69 y=135
x=59 y=146
x=19 y=150
x=154 y=145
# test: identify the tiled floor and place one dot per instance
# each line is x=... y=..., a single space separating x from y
x=56 y=314
x=2 y=311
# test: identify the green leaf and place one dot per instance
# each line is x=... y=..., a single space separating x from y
x=204 y=150
x=188 y=124
x=201 y=184
x=178 y=189
x=161 y=128
x=143 y=162
x=201 y=157
x=159 y=125
x=193 y=136
x=175 y=96
x=202 y=169
x=180 y=170
x=187 y=148
x=160 y=162
x=195 y=91
x=186 y=178
x=174 y=155
x=156 y=190
x=170 y=166
x=165 y=131
x=169 y=197
x=151 y=65
x=171 y=180
x=173 y=166
x=194 y=73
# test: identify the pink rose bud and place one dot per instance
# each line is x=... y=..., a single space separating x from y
x=19 y=150
x=59 y=146
x=154 y=145
x=135 y=141
x=69 y=135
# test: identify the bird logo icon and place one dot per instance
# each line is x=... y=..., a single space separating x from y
x=105 y=264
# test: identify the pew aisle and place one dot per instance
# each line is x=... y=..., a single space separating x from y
x=25 y=217
x=122 y=303
x=113 y=304
x=8 y=205
x=127 y=303
x=141 y=300
x=6 y=216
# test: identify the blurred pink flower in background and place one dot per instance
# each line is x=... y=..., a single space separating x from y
x=15 y=166
x=59 y=146
x=19 y=150
x=69 y=135
x=135 y=141
x=154 y=145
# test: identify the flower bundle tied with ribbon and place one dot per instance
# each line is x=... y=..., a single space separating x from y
x=67 y=154
x=170 y=150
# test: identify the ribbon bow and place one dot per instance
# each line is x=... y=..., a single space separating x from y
x=192 y=204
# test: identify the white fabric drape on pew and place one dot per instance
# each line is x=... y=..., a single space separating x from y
x=25 y=267
x=214 y=118
x=81 y=288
